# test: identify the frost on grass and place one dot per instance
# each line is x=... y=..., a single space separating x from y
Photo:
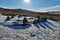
x=32 y=33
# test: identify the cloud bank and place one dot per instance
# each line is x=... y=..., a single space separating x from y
x=52 y=8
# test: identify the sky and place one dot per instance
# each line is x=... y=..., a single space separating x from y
x=33 y=5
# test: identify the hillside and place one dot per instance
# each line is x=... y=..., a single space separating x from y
x=22 y=12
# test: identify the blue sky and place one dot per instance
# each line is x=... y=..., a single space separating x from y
x=36 y=5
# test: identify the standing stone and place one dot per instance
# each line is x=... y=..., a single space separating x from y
x=25 y=21
x=8 y=18
x=12 y=16
x=35 y=21
x=38 y=19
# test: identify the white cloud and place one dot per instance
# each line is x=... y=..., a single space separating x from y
x=49 y=8
x=6 y=7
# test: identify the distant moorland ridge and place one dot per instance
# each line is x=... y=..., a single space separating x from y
x=22 y=12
